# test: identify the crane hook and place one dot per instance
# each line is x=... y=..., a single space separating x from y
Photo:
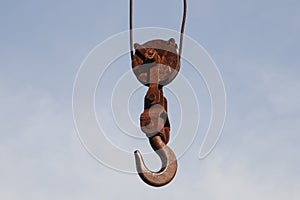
x=150 y=71
x=169 y=164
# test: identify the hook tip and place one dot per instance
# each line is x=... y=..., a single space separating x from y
x=139 y=161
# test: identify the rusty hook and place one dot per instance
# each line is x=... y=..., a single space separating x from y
x=169 y=164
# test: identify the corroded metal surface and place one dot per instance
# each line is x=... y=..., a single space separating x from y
x=155 y=64
x=159 y=54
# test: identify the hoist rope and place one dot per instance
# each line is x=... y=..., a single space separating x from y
x=181 y=31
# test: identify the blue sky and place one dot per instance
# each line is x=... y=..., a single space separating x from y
x=256 y=46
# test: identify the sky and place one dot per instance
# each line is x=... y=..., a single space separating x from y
x=255 y=45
